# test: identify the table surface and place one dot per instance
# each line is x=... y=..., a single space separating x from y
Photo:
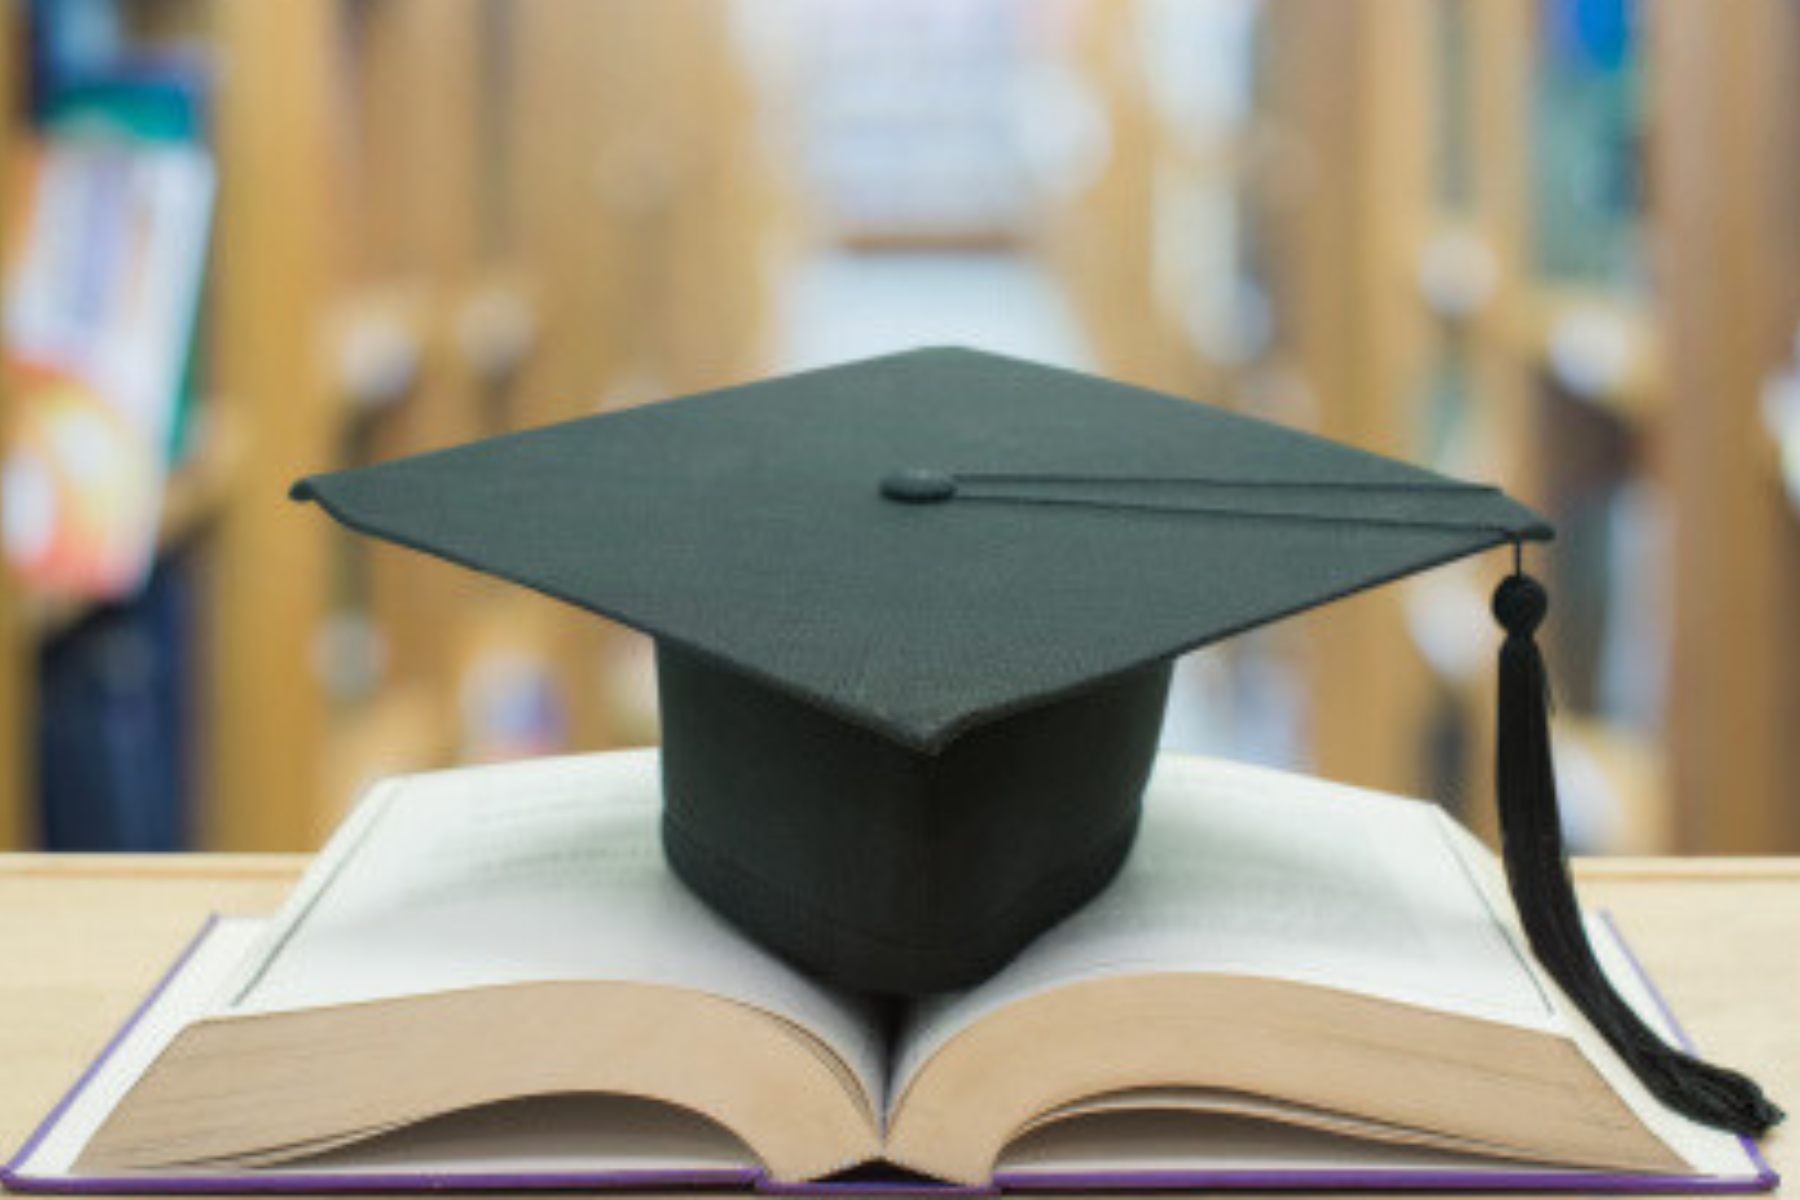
x=84 y=937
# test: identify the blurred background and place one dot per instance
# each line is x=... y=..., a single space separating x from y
x=1549 y=244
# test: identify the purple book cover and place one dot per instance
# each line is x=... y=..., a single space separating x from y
x=1499 y=1177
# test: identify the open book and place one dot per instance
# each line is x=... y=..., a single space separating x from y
x=490 y=978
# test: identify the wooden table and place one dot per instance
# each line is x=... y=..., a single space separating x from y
x=82 y=938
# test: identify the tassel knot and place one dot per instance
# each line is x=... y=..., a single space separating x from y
x=1520 y=605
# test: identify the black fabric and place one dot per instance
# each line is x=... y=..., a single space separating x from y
x=915 y=618
x=748 y=526
x=890 y=869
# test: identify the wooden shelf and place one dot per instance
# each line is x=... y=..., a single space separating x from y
x=1600 y=347
x=497 y=325
x=379 y=338
x=209 y=479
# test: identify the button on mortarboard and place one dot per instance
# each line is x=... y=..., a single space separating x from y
x=919 y=485
x=915 y=615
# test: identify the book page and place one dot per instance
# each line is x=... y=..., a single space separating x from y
x=1246 y=871
x=596 y=1140
x=532 y=872
x=608 y=1138
x=1149 y=1143
x=1151 y=1148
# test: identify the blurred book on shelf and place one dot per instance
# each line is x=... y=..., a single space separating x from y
x=106 y=263
x=114 y=722
x=1588 y=114
x=913 y=129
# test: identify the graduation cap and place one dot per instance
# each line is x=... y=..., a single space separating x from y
x=915 y=618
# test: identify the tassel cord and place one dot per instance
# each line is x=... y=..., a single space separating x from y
x=1537 y=868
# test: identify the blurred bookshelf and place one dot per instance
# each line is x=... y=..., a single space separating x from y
x=1545 y=244
x=1541 y=244
x=435 y=219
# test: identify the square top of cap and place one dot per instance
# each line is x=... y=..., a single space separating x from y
x=926 y=542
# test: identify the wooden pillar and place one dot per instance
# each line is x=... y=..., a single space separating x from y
x=1725 y=185
x=1351 y=96
x=263 y=709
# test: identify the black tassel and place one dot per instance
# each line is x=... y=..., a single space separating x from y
x=1537 y=867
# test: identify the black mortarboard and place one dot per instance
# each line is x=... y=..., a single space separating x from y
x=914 y=620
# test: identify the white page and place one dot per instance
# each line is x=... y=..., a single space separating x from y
x=1140 y=1143
x=1248 y=871
x=541 y=871
x=535 y=1137
x=1162 y=1142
